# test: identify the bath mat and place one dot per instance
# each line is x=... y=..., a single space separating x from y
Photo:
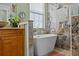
x=55 y=54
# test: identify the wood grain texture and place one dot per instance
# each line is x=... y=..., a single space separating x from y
x=11 y=42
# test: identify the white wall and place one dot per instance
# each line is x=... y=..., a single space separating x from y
x=23 y=7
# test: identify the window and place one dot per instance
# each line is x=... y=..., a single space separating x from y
x=37 y=14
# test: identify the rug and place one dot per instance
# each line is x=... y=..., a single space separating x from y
x=55 y=54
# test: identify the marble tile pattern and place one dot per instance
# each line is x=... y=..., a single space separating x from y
x=75 y=35
x=63 y=42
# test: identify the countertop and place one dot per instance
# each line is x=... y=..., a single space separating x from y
x=11 y=28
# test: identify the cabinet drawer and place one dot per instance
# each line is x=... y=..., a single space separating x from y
x=17 y=32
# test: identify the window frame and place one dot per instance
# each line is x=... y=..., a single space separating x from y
x=38 y=13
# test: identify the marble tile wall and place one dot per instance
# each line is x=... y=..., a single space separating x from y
x=75 y=35
x=38 y=31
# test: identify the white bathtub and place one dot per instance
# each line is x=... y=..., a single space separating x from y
x=44 y=43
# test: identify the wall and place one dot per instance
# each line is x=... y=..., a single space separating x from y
x=23 y=7
x=63 y=41
x=56 y=15
x=20 y=7
x=51 y=18
x=74 y=9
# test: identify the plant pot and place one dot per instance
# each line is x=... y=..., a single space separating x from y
x=14 y=24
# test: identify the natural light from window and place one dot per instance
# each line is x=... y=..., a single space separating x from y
x=37 y=14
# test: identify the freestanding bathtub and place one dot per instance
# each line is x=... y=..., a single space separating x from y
x=44 y=43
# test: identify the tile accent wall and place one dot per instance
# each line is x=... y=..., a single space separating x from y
x=75 y=35
x=54 y=18
x=40 y=31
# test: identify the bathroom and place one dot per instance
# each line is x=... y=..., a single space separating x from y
x=52 y=28
x=58 y=35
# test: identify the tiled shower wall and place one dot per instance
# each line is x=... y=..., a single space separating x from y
x=55 y=16
x=63 y=41
x=75 y=35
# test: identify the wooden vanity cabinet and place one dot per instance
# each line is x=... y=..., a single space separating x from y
x=11 y=42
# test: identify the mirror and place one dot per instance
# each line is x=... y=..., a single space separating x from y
x=4 y=12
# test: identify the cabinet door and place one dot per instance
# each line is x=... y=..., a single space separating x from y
x=9 y=46
x=12 y=42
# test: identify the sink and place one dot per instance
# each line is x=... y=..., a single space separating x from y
x=3 y=23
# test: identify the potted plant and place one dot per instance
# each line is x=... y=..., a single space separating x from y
x=14 y=21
